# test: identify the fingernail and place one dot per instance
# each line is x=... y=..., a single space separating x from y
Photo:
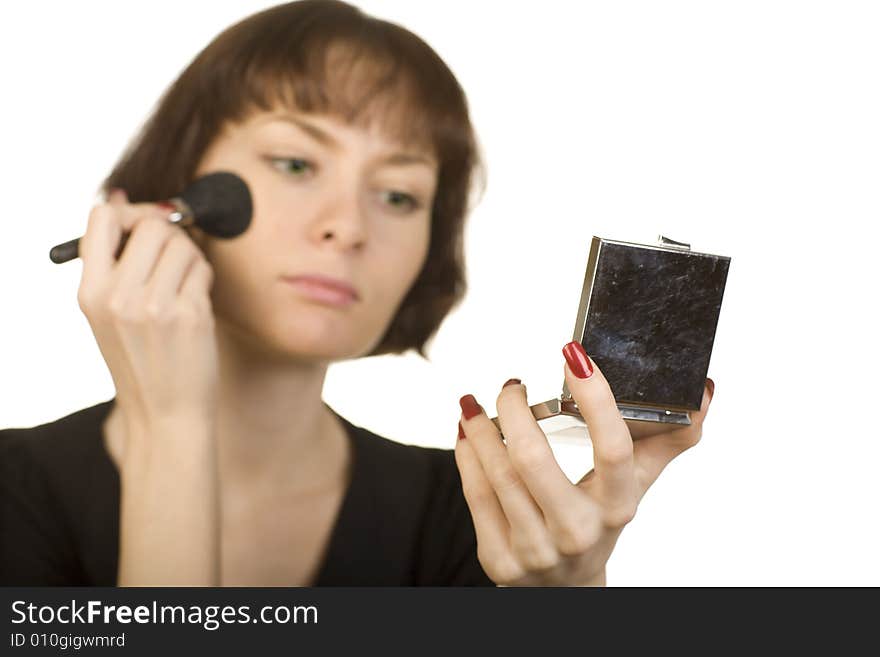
x=711 y=385
x=511 y=382
x=165 y=205
x=469 y=406
x=117 y=192
x=461 y=435
x=577 y=360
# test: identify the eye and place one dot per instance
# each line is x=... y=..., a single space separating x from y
x=403 y=201
x=292 y=165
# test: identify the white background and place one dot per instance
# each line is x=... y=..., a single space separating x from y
x=747 y=129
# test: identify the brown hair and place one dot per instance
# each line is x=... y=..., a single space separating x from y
x=329 y=57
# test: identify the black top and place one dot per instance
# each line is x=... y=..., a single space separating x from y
x=403 y=521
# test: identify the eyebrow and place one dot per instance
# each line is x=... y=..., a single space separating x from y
x=324 y=138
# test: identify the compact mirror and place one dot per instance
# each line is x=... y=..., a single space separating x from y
x=647 y=317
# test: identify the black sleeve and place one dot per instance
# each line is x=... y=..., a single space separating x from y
x=449 y=544
x=35 y=547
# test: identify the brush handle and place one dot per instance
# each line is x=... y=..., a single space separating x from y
x=64 y=252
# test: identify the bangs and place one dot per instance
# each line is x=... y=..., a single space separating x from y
x=365 y=72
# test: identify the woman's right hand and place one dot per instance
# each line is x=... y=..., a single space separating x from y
x=150 y=311
x=151 y=314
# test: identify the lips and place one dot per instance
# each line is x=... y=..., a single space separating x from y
x=336 y=284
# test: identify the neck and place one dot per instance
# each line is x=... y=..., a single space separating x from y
x=273 y=428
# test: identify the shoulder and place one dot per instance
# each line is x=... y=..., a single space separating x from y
x=58 y=446
x=57 y=464
x=50 y=476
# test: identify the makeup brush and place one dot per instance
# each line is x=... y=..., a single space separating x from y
x=218 y=203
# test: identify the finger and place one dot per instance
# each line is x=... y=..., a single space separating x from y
x=490 y=523
x=117 y=195
x=197 y=282
x=653 y=453
x=129 y=214
x=140 y=257
x=98 y=244
x=175 y=260
x=561 y=503
x=590 y=476
x=612 y=443
x=529 y=535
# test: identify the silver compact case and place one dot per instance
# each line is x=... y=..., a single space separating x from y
x=647 y=317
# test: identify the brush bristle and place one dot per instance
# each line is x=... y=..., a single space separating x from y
x=221 y=203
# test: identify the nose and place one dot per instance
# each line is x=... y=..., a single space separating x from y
x=342 y=220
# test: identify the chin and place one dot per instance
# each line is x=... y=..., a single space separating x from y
x=311 y=333
x=316 y=342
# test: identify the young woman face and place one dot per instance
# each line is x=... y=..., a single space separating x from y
x=330 y=200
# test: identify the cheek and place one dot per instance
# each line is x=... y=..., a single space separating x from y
x=401 y=264
x=237 y=271
x=421 y=252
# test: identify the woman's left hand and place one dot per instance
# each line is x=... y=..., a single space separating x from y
x=533 y=526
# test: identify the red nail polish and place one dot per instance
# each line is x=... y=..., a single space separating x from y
x=461 y=435
x=577 y=360
x=165 y=205
x=511 y=382
x=469 y=406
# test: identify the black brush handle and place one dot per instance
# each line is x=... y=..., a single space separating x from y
x=70 y=250
x=64 y=252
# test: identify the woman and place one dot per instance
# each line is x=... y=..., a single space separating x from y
x=217 y=463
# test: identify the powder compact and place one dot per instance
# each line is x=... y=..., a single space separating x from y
x=647 y=317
